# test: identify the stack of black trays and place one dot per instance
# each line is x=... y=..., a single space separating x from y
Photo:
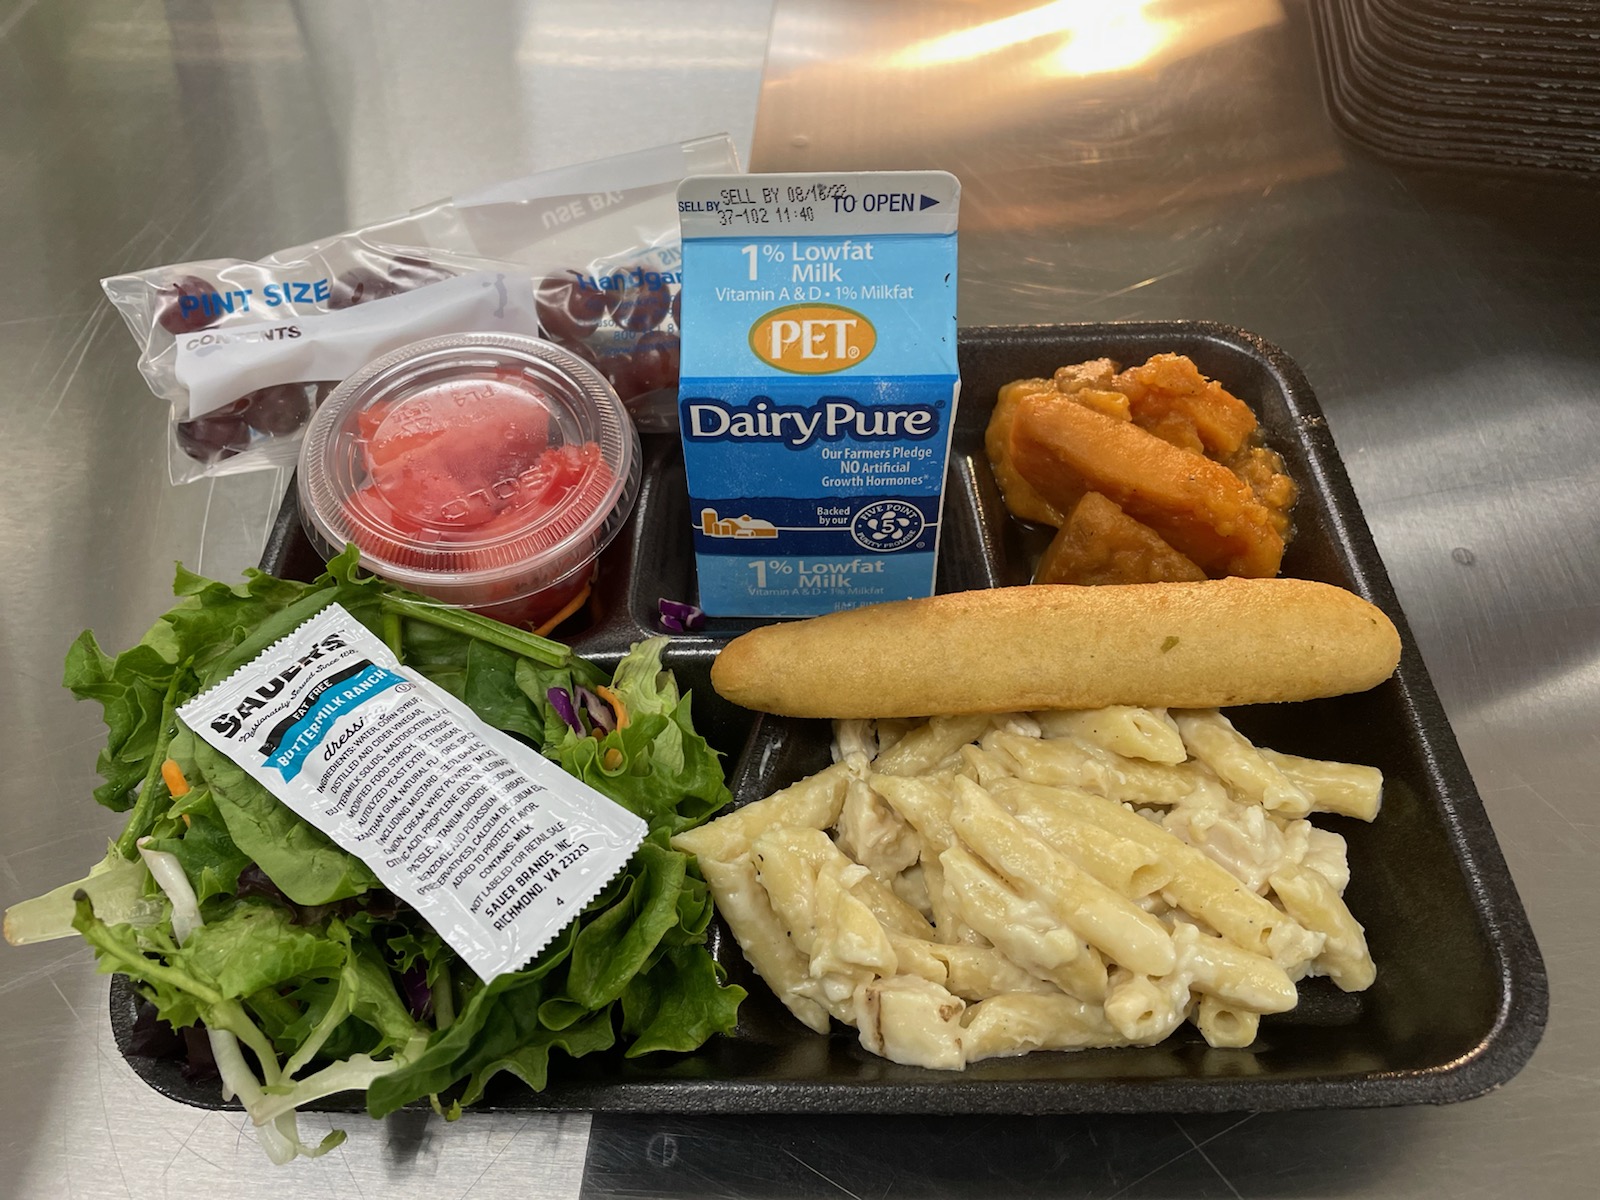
x=1512 y=84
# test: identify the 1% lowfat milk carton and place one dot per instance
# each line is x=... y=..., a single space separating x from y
x=818 y=385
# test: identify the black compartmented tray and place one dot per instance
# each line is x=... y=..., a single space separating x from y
x=1460 y=1000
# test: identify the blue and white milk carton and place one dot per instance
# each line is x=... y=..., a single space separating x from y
x=818 y=385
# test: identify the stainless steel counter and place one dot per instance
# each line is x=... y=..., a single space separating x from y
x=1119 y=161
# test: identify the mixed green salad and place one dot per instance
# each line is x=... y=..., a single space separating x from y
x=282 y=957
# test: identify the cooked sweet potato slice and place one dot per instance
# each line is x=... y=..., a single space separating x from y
x=1095 y=375
x=1020 y=498
x=1108 y=404
x=1262 y=469
x=1102 y=544
x=1168 y=396
x=1199 y=507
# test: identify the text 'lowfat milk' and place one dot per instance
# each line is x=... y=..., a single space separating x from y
x=818 y=385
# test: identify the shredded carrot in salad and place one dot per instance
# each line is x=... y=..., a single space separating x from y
x=617 y=706
x=172 y=776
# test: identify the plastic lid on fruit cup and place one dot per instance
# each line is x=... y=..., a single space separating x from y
x=476 y=468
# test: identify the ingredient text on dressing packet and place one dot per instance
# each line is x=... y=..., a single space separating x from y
x=494 y=845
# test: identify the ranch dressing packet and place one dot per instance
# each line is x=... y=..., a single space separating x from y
x=497 y=847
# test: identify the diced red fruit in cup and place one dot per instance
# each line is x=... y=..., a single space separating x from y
x=189 y=304
x=565 y=476
x=548 y=483
x=466 y=466
x=476 y=414
x=450 y=485
x=376 y=522
x=425 y=492
x=465 y=475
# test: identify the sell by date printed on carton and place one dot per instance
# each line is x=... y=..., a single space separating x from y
x=818 y=385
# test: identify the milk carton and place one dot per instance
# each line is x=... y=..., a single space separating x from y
x=818 y=385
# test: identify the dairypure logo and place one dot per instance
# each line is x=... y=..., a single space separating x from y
x=830 y=419
x=813 y=339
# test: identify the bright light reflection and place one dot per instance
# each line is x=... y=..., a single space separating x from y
x=1099 y=36
x=1118 y=36
x=1118 y=29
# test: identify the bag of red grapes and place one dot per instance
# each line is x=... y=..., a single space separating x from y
x=587 y=256
x=601 y=238
x=244 y=351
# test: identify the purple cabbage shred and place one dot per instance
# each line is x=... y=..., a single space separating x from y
x=378 y=903
x=600 y=714
x=418 y=995
x=680 y=617
x=561 y=700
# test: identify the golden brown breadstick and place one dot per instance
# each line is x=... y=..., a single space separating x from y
x=1206 y=644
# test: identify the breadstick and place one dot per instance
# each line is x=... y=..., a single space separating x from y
x=1206 y=644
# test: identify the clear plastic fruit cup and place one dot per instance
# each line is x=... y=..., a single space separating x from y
x=487 y=471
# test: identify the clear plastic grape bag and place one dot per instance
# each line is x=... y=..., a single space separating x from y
x=602 y=240
x=588 y=257
x=244 y=351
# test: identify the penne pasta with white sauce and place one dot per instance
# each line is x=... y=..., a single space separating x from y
x=972 y=887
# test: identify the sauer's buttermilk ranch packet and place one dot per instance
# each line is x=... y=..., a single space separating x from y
x=818 y=385
x=497 y=847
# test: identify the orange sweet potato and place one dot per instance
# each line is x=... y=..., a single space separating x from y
x=1168 y=396
x=1097 y=374
x=1102 y=544
x=1020 y=497
x=1062 y=449
x=1263 y=471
